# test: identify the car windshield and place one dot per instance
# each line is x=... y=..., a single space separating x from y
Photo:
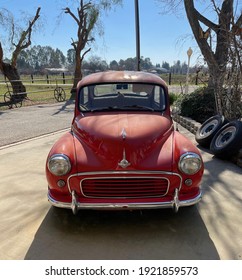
x=122 y=96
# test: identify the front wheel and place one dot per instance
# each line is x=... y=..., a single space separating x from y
x=227 y=141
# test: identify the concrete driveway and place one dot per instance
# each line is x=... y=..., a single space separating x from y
x=32 y=229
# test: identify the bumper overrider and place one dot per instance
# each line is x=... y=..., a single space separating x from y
x=175 y=203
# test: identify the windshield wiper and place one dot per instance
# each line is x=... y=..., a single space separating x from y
x=123 y=108
x=139 y=107
x=110 y=108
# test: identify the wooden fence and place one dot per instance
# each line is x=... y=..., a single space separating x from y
x=58 y=87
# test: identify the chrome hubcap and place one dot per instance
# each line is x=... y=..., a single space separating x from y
x=209 y=128
x=225 y=137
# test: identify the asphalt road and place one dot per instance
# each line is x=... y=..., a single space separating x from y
x=32 y=121
x=32 y=229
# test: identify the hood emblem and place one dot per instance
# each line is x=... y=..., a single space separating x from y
x=124 y=163
x=123 y=134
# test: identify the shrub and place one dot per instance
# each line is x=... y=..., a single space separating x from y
x=172 y=98
x=198 y=105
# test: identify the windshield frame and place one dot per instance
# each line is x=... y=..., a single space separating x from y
x=142 y=97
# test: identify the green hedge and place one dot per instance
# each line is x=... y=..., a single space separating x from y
x=198 y=105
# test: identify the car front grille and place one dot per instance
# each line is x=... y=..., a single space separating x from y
x=124 y=187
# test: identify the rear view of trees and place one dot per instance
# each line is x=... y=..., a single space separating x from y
x=37 y=58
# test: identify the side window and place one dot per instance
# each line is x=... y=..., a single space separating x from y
x=162 y=99
x=159 y=98
x=85 y=95
x=157 y=95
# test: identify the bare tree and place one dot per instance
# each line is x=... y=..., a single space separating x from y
x=86 y=18
x=217 y=57
x=215 y=40
x=24 y=41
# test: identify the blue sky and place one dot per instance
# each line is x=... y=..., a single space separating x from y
x=163 y=37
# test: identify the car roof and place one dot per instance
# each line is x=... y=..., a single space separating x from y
x=121 y=77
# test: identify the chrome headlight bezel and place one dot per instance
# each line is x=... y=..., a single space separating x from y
x=59 y=164
x=190 y=163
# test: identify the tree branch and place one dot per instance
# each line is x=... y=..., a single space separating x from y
x=74 y=43
x=23 y=44
x=239 y=21
x=206 y=21
x=193 y=18
x=1 y=56
x=68 y=11
x=82 y=57
x=12 y=33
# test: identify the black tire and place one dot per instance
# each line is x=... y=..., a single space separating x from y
x=208 y=129
x=228 y=140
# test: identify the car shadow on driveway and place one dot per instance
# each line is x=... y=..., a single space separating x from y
x=112 y=235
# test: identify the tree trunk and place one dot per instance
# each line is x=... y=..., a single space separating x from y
x=77 y=75
x=12 y=75
x=218 y=78
x=217 y=61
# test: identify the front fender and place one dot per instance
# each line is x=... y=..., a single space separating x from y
x=65 y=145
x=182 y=145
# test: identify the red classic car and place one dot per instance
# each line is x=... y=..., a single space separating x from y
x=122 y=151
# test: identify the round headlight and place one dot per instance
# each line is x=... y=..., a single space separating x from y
x=190 y=163
x=59 y=164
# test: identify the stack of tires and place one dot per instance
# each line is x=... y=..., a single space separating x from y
x=222 y=137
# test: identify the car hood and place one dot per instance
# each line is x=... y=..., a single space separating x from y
x=123 y=141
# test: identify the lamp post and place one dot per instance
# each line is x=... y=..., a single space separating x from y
x=189 y=54
x=136 y=3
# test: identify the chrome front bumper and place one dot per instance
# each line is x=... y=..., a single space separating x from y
x=174 y=204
